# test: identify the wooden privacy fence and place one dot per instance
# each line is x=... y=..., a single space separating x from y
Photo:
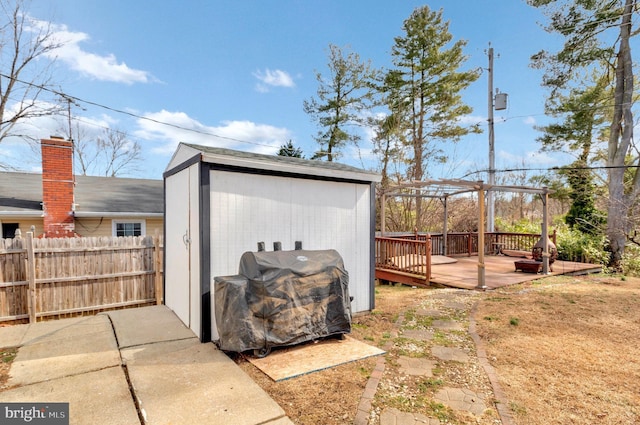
x=64 y=276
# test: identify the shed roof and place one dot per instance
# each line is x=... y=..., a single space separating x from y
x=21 y=193
x=229 y=157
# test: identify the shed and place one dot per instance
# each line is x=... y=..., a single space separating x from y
x=221 y=203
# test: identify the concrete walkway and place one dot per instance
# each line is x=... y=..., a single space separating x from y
x=132 y=366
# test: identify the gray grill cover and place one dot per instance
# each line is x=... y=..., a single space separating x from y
x=282 y=298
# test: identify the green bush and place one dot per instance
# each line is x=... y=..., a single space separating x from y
x=521 y=226
x=631 y=261
x=574 y=245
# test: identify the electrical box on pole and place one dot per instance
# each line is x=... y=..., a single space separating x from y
x=500 y=101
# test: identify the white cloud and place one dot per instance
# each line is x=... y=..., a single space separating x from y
x=171 y=128
x=99 y=67
x=272 y=78
x=529 y=158
x=470 y=120
x=530 y=121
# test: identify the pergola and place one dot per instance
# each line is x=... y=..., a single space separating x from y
x=444 y=189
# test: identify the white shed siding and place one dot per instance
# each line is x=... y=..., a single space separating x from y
x=250 y=208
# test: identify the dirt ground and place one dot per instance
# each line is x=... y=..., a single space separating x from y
x=566 y=351
x=6 y=357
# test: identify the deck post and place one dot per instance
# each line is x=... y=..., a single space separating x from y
x=481 y=267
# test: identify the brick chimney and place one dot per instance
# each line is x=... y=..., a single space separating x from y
x=57 y=187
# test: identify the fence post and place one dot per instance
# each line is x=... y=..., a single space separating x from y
x=469 y=244
x=157 y=264
x=31 y=277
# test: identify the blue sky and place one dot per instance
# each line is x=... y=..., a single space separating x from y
x=242 y=69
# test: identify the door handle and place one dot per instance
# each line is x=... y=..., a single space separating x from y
x=186 y=239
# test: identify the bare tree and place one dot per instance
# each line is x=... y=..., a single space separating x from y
x=111 y=154
x=118 y=154
x=24 y=67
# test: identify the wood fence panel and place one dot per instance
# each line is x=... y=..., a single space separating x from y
x=77 y=275
x=13 y=280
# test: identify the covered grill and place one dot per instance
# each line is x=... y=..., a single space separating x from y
x=282 y=298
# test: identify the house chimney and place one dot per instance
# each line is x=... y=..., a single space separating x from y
x=57 y=187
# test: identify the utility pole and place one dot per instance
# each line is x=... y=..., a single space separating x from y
x=499 y=102
x=492 y=153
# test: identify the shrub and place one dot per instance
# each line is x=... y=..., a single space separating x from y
x=574 y=245
x=631 y=261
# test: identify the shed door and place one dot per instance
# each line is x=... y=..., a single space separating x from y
x=177 y=246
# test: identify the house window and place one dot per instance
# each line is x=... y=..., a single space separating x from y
x=9 y=230
x=128 y=228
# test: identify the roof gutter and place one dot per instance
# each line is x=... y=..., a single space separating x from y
x=92 y=214
x=18 y=214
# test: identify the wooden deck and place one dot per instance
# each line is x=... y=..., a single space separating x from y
x=499 y=272
x=410 y=259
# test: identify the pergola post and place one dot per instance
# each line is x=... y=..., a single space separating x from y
x=445 y=227
x=383 y=202
x=481 y=269
x=545 y=230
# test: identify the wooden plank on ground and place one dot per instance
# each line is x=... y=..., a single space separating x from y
x=289 y=362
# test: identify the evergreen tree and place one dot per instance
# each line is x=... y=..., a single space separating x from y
x=424 y=88
x=582 y=130
x=290 y=150
x=340 y=100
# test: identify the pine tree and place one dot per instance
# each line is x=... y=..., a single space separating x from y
x=425 y=86
x=340 y=100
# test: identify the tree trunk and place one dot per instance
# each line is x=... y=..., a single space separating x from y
x=620 y=139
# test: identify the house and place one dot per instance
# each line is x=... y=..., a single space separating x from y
x=221 y=203
x=58 y=204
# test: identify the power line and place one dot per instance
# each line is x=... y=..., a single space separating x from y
x=131 y=114
x=555 y=168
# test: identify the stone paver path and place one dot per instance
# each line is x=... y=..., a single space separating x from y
x=455 y=305
x=428 y=312
x=416 y=366
x=442 y=322
x=417 y=334
x=396 y=417
x=462 y=399
x=450 y=354
x=448 y=325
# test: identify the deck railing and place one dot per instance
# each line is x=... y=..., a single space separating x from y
x=405 y=255
x=411 y=253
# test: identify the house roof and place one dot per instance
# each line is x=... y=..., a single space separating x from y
x=325 y=169
x=21 y=194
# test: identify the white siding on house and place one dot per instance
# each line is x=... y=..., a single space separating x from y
x=251 y=208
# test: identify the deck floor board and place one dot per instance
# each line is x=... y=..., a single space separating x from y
x=499 y=271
